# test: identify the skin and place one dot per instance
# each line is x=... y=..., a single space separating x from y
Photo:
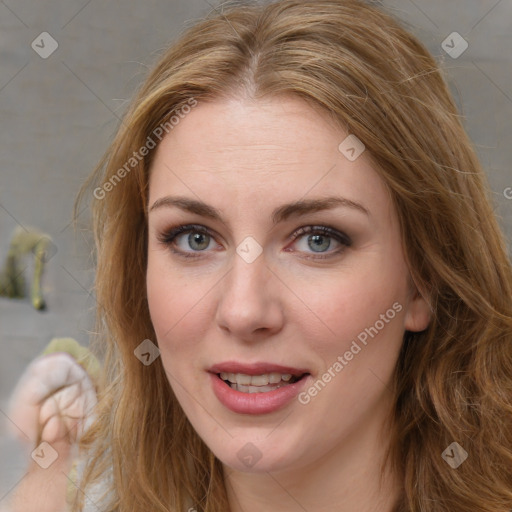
x=246 y=158
x=43 y=490
x=51 y=398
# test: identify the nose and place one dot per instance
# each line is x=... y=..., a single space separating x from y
x=250 y=307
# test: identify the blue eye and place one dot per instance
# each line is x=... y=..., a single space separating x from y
x=319 y=240
x=198 y=239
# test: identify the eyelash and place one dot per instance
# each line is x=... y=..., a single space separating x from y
x=168 y=237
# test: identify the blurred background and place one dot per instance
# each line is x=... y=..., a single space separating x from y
x=68 y=69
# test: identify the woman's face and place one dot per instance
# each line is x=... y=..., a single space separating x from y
x=289 y=281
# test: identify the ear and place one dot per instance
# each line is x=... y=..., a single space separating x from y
x=419 y=313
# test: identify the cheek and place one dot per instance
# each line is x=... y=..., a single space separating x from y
x=345 y=306
x=355 y=346
x=176 y=305
x=359 y=316
x=169 y=297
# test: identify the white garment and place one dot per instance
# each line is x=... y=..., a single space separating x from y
x=92 y=495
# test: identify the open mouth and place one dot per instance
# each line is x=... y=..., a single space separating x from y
x=259 y=383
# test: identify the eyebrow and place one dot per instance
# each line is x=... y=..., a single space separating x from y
x=280 y=214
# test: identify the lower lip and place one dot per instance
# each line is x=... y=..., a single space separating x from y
x=255 y=403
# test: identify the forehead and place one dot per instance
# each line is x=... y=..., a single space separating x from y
x=258 y=150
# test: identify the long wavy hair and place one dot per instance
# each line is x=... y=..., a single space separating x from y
x=453 y=381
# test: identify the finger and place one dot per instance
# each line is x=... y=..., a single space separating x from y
x=43 y=377
x=74 y=406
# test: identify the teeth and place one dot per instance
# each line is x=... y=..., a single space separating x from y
x=255 y=389
x=245 y=382
x=274 y=378
x=256 y=380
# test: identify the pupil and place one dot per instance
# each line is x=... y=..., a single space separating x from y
x=317 y=240
x=199 y=239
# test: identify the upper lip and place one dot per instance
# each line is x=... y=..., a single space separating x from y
x=258 y=368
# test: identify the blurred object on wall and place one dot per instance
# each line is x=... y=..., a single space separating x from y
x=12 y=280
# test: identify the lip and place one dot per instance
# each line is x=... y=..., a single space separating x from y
x=255 y=403
x=258 y=368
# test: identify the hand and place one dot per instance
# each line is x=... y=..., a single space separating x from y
x=54 y=402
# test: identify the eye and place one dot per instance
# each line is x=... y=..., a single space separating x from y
x=198 y=239
x=319 y=239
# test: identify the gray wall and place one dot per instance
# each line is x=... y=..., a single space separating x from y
x=59 y=113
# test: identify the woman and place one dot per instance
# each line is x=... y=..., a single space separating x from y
x=293 y=214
